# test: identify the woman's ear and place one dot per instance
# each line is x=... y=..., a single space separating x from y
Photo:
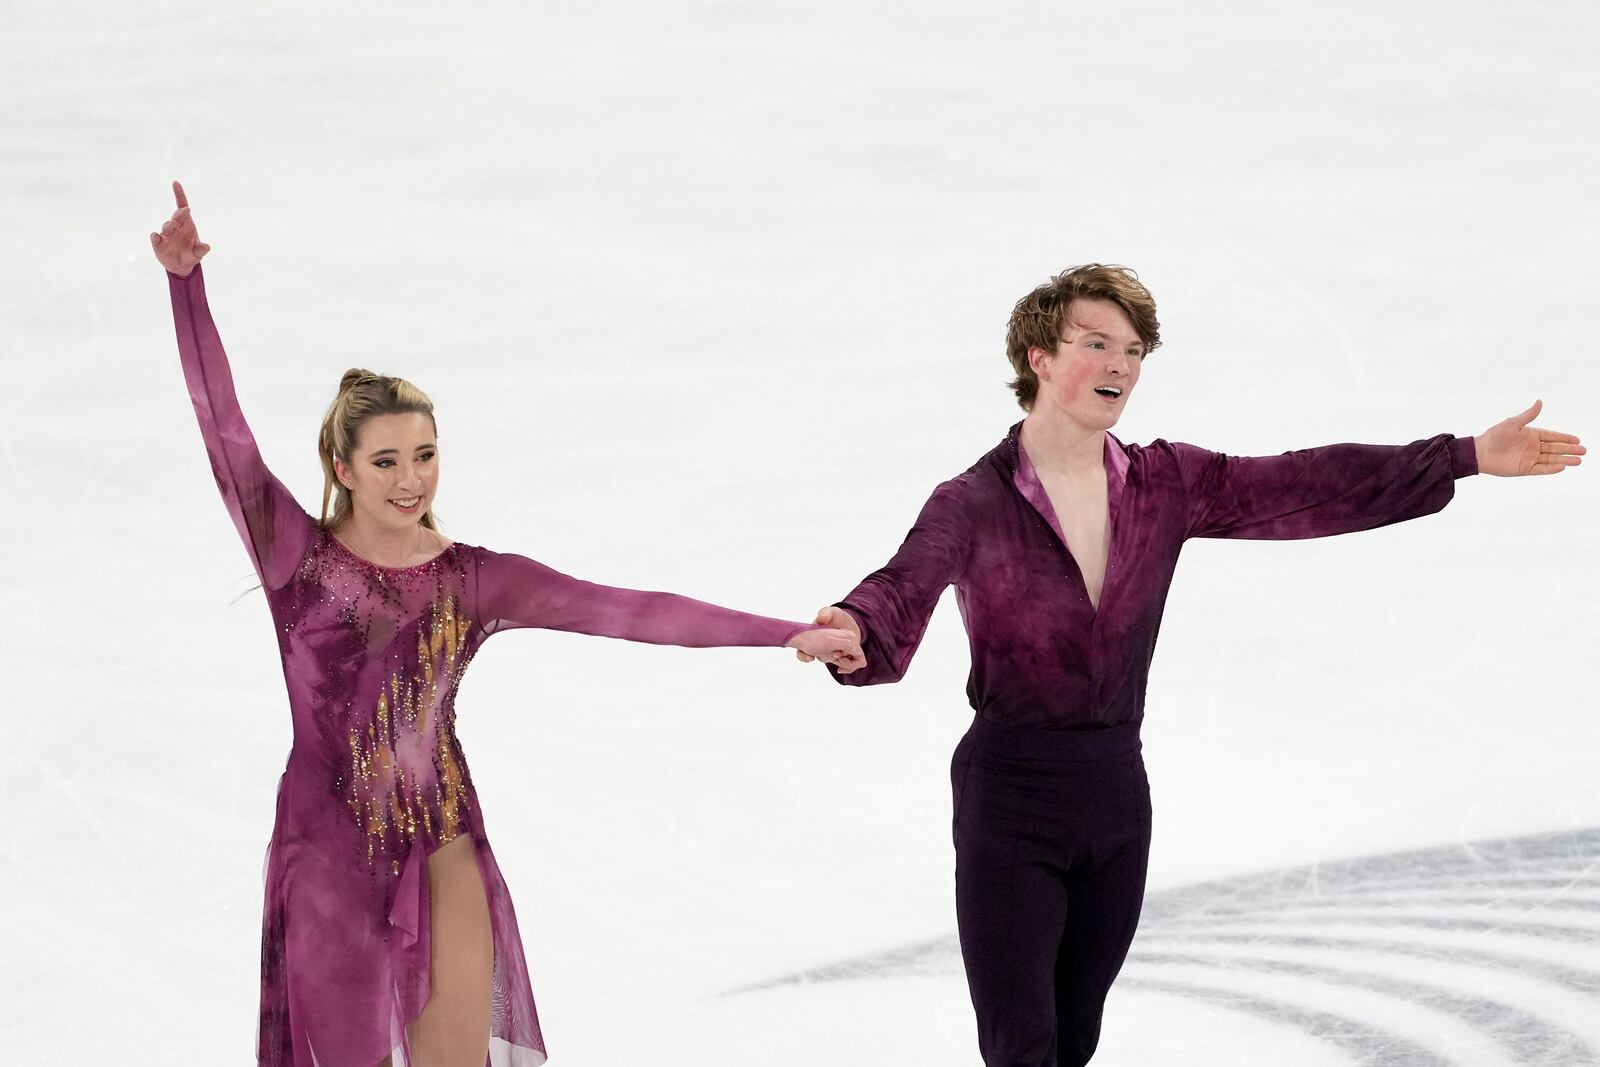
x=341 y=472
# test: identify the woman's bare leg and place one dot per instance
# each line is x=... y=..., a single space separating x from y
x=453 y=1029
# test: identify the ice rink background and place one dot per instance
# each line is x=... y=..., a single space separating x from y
x=709 y=296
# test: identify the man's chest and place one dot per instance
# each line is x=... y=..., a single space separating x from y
x=1082 y=511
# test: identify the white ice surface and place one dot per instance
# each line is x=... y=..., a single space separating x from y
x=709 y=296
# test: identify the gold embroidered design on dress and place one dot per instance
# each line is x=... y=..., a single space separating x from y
x=415 y=718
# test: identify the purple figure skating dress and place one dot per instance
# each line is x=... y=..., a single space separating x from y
x=376 y=780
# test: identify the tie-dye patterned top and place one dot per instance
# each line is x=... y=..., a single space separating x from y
x=376 y=779
x=1043 y=654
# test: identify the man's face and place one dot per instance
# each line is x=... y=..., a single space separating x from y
x=1092 y=372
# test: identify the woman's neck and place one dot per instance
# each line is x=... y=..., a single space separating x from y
x=388 y=547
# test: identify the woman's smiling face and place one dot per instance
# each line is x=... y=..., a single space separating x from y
x=393 y=471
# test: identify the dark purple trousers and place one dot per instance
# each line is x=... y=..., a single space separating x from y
x=1052 y=832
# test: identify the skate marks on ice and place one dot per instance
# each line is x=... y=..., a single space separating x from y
x=1483 y=954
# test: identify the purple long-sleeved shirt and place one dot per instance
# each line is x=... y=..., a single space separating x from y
x=1042 y=655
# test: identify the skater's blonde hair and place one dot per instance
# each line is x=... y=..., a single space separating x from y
x=362 y=394
x=1041 y=318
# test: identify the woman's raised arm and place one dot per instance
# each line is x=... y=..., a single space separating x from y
x=275 y=529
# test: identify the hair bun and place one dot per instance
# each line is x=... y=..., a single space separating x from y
x=356 y=376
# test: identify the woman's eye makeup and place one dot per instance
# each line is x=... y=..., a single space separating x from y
x=386 y=462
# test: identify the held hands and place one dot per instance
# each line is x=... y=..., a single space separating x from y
x=1512 y=448
x=841 y=623
x=178 y=245
x=838 y=647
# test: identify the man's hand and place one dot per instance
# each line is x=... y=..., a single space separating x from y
x=1512 y=448
x=838 y=646
x=838 y=619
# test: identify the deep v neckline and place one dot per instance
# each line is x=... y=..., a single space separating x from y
x=1025 y=477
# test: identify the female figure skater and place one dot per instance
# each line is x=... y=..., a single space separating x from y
x=1061 y=543
x=388 y=936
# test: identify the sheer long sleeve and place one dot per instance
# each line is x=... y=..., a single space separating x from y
x=1318 y=492
x=514 y=591
x=893 y=604
x=275 y=529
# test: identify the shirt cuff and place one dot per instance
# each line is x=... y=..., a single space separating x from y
x=1463 y=457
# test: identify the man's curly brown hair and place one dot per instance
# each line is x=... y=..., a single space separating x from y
x=1040 y=318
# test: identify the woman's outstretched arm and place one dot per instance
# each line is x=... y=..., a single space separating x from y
x=276 y=531
x=515 y=591
x=1317 y=492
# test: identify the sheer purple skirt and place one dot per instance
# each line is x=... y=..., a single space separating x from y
x=345 y=953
